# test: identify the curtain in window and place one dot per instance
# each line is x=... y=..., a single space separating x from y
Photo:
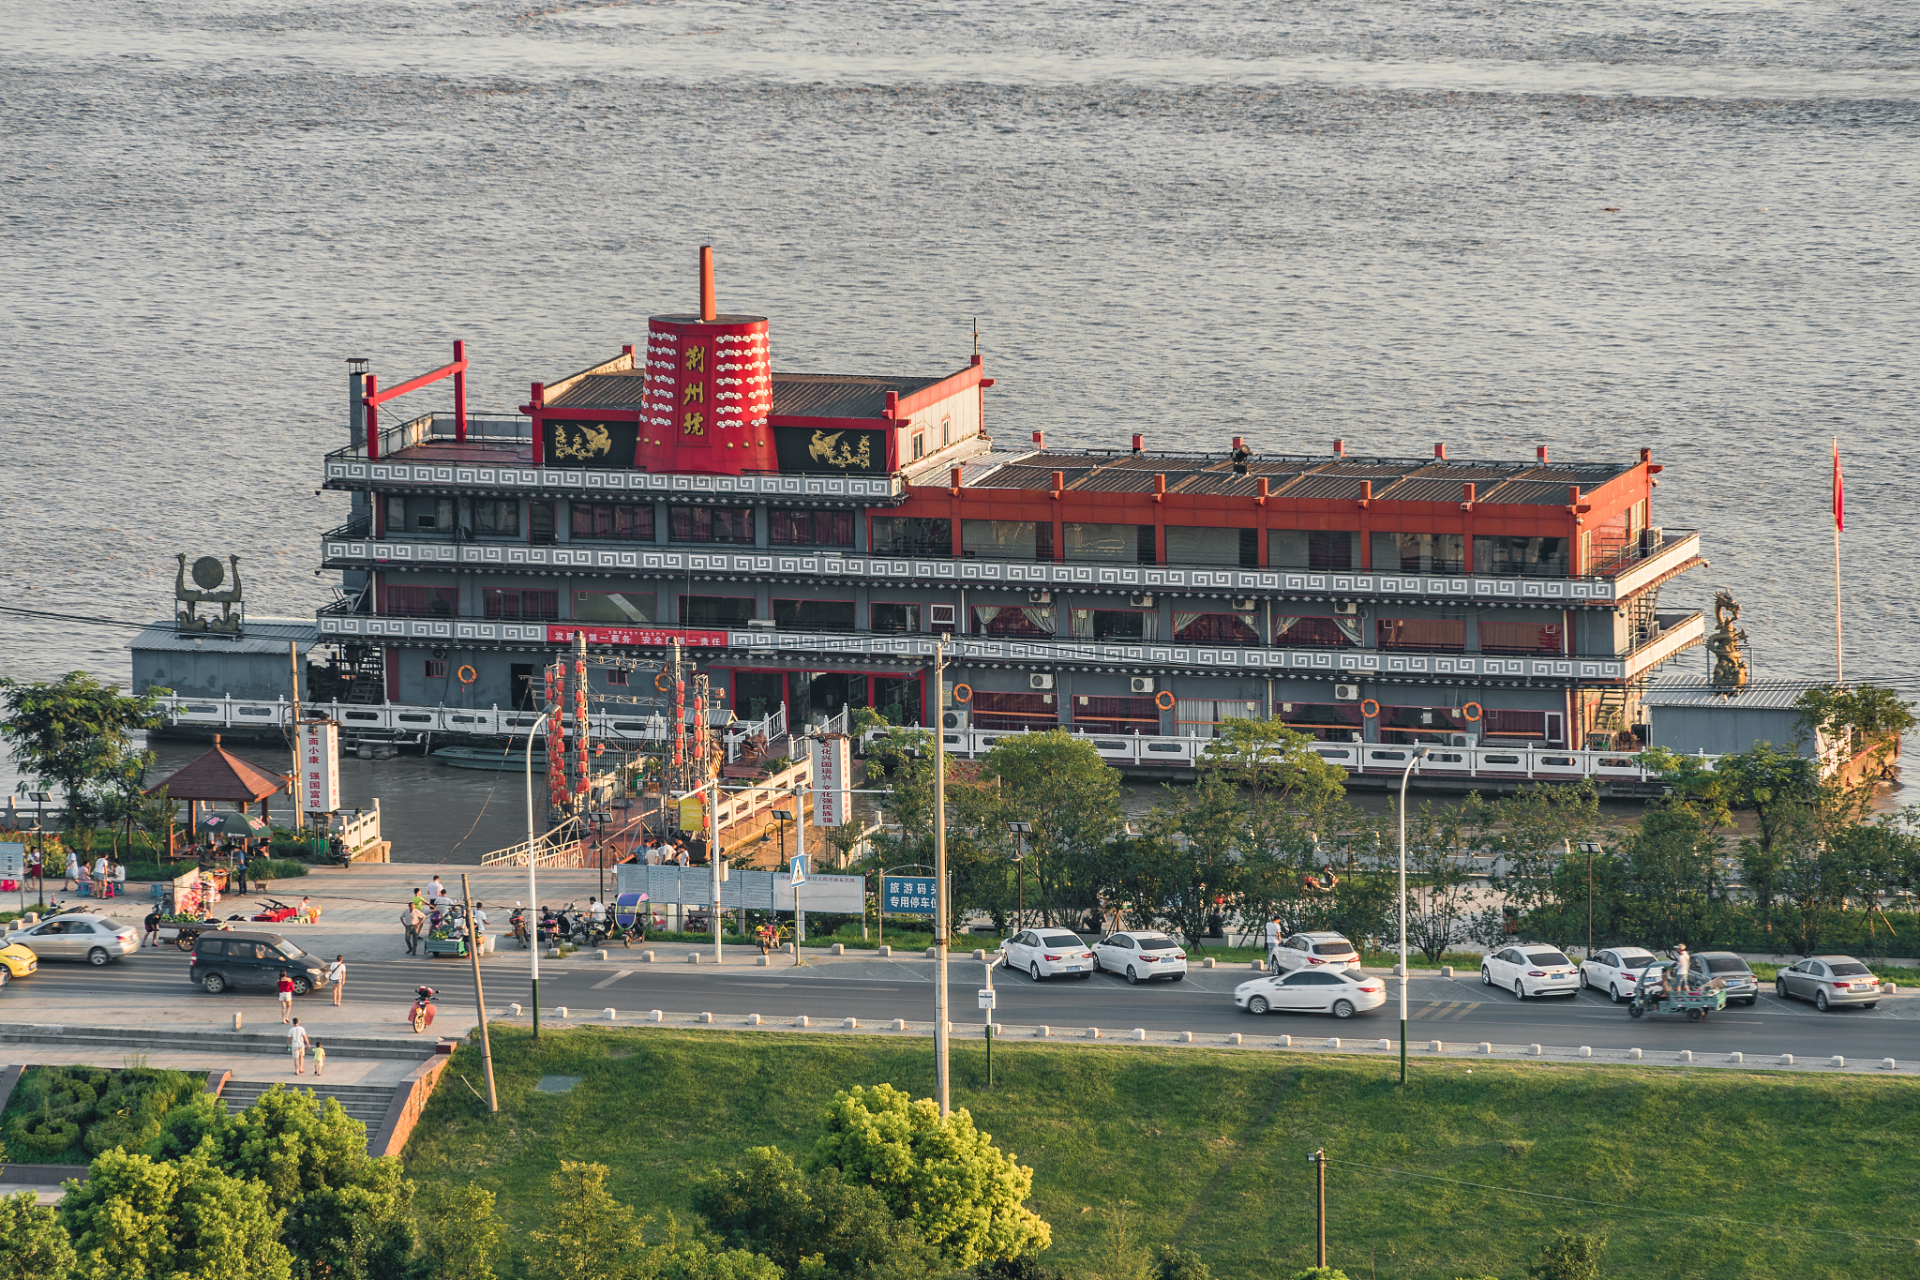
x=422 y=602
x=1316 y=633
x=1519 y=637
x=1014 y=622
x=1428 y=635
x=1214 y=628
x=710 y=524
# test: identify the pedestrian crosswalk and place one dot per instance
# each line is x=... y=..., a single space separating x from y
x=1441 y=1010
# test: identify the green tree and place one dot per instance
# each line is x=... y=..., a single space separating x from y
x=1179 y=1264
x=1190 y=852
x=1440 y=892
x=1320 y=1273
x=963 y=1195
x=1059 y=784
x=1862 y=718
x=460 y=1232
x=1530 y=833
x=136 y=1218
x=1569 y=1256
x=1672 y=874
x=69 y=734
x=33 y=1244
x=588 y=1234
x=1781 y=789
x=1276 y=766
x=816 y=1222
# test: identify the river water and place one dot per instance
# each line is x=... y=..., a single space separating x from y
x=1596 y=226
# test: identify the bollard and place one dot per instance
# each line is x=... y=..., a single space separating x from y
x=1207 y=963
x=601 y=956
x=1434 y=1046
x=1736 y=1056
x=1186 y=1037
x=1383 y=1043
x=611 y=1015
x=1234 y=1038
x=1333 y=1042
x=1043 y=1032
x=1837 y=1061
x=648 y=956
x=1786 y=1059
x=851 y=1024
x=932 y=952
x=800 y=1021
x=1139 y=1033
x=1887 y=1064
x=1093 y=1033
x=763 y=961
x=654 y=1015
x=1586 y=1051
x=1686 y=1055
x=553 y=953
x=884 y=952
x=753 y=1019
x=1485 y=1047
x=1446 y=971
x=236 y=1022
x=1399 y=970
x=513 y=1010
x=979 y=954
x=899 y=1024
x=839 y=948
x=1256 y=966
x=1286 y=1042
x=561 y=1013
x=693 y=957
x=705 y=1017
x=1534 y=1049
x=1635 y=1054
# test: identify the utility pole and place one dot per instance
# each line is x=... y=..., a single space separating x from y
x=799 y=852
x=941 y=1062
x=299 y=768
x=1319 y=1161
x=480 y=995
x=1588 y=844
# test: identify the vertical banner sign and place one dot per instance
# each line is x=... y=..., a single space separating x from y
x=319 y=766
x=832 y=776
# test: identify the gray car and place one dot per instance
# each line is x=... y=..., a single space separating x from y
x=1740 y=984
x=74 y=936
x=1829 y=981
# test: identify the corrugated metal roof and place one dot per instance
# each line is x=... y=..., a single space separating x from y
x=1327 y=487
x=617 y=390
x=261 y=635
x=1527 y=493
x=839 y=395
x=1425 y=489
x=1761 y=695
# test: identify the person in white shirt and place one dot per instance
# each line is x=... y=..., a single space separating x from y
x=438 y=890
x=683 y=860
x=597 y=911
x=337 y=975
x=1273 y=940
x=297 y=1042
x=480 y=927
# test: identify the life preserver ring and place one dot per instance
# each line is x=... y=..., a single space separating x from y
x=1164 y=699
x=963 y=693
x=1369 y=708
x=467 y=674
x=1472 y=711
x=661 y=683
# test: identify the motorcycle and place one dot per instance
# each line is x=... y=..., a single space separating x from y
x=517 y=923
x=423 y=1010
x=549 y=928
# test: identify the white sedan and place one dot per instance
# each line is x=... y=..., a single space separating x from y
x=1341 y=992
x=1046 y=953
x=1615 y=971
x=1530 y=971
x=1304 y=950
x=1142 y=955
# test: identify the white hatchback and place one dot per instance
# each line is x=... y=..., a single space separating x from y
x=1615 y=971
x=1340 y=992
x=1141 y=955
x=1531 y=971
x=1047 y=953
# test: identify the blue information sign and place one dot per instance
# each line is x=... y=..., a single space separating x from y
x=908 y=895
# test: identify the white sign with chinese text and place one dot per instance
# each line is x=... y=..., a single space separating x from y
x=319 y=766
x=832 y=776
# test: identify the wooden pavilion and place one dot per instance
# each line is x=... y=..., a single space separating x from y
x=219 y=775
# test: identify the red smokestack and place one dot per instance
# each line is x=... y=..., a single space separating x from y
x=1339 y=448
x=708 y=311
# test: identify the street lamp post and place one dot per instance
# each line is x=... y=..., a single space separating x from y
x=1020 y=830
x=941 y=1060
x=533 y=896
x=1418 y=754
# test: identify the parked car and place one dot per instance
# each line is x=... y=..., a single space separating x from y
x=1530 y=971
x=1045 y=953
x=1311 y=950
x=252 y=960
x=1740 y=984
x=76 y=936
x=1341 y=992
x=17 y=960
x=1615 y=971
x=1142 y=955
x=1829 y=981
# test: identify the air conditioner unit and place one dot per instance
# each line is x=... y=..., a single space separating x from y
x=1140 y=602
x=1459 y=739
x=1039 y=597
x=1040 y=680
x=1143 y=684
x=1346 y=609
x=953 y=720
x=941 y=615
x=1245 y=606
x=1346 y=693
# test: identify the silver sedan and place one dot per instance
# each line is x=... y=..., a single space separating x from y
x=95 y=939
x=1829 y=981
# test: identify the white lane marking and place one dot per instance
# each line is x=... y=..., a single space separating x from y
x=613 y=978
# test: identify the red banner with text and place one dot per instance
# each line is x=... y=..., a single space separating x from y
x=563 y=633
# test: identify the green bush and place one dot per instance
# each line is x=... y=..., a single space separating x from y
x=57 y=1109
x=44 y=1136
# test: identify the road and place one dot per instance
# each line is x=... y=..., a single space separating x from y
x=1453 y=1010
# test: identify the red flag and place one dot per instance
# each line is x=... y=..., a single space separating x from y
x=1839 y=490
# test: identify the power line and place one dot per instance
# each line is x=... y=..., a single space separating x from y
x=77 y=617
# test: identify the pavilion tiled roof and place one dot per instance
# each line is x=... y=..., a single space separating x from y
x=221 y=775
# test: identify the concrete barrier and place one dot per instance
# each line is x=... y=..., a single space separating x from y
x=410 y=1098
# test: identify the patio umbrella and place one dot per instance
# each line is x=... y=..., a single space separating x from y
x=244 y=824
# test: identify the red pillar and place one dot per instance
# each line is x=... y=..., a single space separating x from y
x=373 y=417
x=459 y=391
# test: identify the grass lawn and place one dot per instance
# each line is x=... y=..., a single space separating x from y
x=1210 y=1148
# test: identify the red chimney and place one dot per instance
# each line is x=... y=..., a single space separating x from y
x=1541 y=453
x=1039 y=439
x=1440 y=451
x=708 y=310
x=1339 y=448
x=1239 y=442
x=1139 y=443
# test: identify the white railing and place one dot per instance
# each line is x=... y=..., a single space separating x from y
x=548 y=851
x=358 y=472
x=357 y=830
x=756 y=797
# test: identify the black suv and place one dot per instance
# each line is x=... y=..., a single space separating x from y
x=231 y=958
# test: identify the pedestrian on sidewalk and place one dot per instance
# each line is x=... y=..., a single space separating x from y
x=411 y=919
x=480 y=922
x=240 y=872
x=153 y=929
x=102 y=878
x=337 y=975
x=120 y=879
x=439 y=891
x=297 y=1042
x=286 y=997
x=73 y=872
x=319 y=1059
x=418 y=902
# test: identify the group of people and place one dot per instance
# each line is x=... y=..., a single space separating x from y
x=105 y=878
x=427 y=910
x=664 y=851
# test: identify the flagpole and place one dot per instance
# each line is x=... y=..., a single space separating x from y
x=1839 y=522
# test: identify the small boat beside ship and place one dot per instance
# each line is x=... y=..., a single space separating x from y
x=487 y=758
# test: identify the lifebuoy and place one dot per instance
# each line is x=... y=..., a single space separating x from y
x=963 y=693
x=1472 y=712
x=1164 y=699
x=467 y=674
x=661 y=683
x=1370 y=708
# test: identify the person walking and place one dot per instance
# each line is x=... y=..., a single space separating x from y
x=418 y=901
x=337 y=975
x=480 y=922
x=319 y=1059
x=286 y=997
x=1273 y=944
x=153 y=929
x=411 y=918
x=297 y=1042
x=73 y=872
